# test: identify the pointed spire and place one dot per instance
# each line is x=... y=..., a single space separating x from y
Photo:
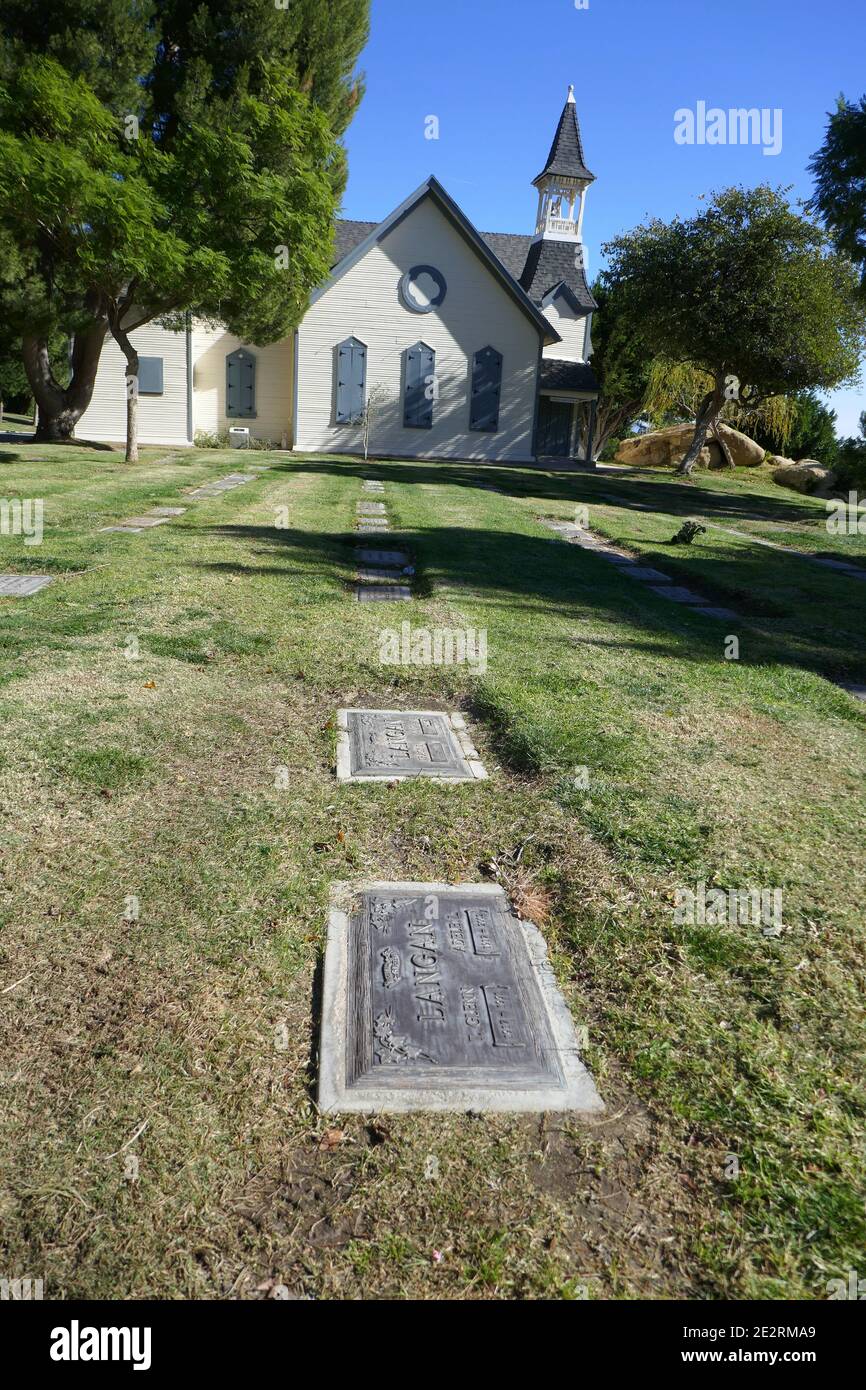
x=566 y=152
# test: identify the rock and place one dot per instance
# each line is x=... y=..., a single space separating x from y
x=806 y=476
x=666 y=448
x=743 y=450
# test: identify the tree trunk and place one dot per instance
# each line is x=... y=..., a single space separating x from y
x=722 y=443
x=609 y=422
x=710 y=406
x=131 y=380
x=132 y=412
x=61 y=407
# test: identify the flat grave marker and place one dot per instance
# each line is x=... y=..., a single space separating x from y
x=22 y=585
x=712 y=610
x=647 y=575
x=437 y=997
x=392 y=745
x=398 y=558
x=369 y=574
x=677 y=593
x=383 y=593
x=214 y=489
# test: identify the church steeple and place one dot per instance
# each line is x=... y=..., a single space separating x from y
x=556 y=256
x=563 y=181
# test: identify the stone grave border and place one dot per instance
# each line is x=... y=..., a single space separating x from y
x=334 y=1096
x=457 y=725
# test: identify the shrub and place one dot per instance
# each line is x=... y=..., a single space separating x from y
x=209 y=439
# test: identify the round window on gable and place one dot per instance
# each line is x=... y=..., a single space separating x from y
x=423 y=289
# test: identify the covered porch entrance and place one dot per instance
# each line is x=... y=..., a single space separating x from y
x=565 y=426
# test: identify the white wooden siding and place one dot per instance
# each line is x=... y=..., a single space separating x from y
x=211 y=347
x=161 y=419
x=571 y=328
x=477 y=310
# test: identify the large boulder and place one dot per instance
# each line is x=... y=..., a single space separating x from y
x=805 y=476
x=660 y=448
x=743 y=450
x=666 y=448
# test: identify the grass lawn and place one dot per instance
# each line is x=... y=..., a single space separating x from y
x=13 y=423
x=160 y=1136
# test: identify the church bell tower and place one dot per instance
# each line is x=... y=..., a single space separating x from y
x=563 y=182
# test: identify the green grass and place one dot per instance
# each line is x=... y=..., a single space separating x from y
x=15 y=423
x=146 y=769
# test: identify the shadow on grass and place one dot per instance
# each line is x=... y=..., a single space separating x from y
x=533 y=574
x=674 y=497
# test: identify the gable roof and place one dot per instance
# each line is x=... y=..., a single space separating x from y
x=550 y=264
x=509 y=248
x=354 y=239
x=566 y=152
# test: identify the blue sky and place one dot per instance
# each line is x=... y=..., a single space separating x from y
x=496 y=74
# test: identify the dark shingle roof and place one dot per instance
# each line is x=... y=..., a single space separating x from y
x=558 y=375
x=566 y=152
x=348 y=235
x=548 y=264
x=509 y=248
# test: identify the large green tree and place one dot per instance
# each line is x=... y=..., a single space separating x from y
x=191 y=162
x=747 y=291
x=620 y=364
x=840 y=180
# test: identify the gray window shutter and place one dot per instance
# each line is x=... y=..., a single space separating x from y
x=486 y=390
x=150 y=381
x=240 y=384
x=420 y=371
x=351 y=381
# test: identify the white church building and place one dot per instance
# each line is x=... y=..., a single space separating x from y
x=444 y=341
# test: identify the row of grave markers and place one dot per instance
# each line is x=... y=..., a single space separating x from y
x=381 y=573
x=436 y=996
x=661 y=584
x=24 y=585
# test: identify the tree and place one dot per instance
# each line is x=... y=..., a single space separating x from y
x=749 y=292
x=620 y=365
x=810 y=432
x=209 y=183
x=13 y=381
x=851 y=458
x=377 y=397
x=840 y=180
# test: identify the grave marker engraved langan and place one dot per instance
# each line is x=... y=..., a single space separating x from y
x=393 y=745
x=437 y=997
